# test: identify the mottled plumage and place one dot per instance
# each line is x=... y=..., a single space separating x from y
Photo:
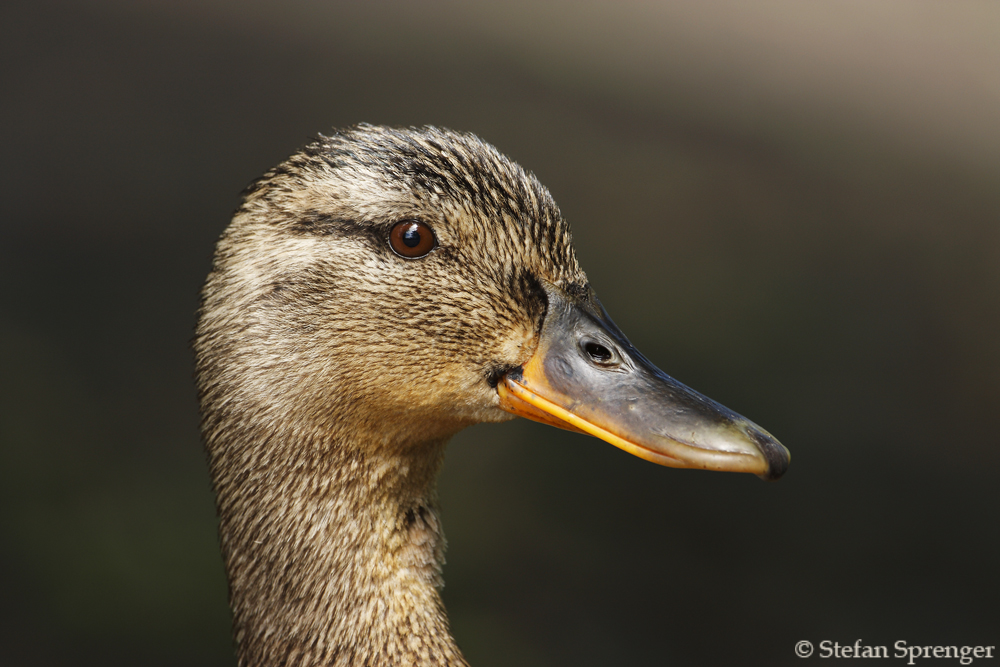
x=331 y=373
x=376 y=293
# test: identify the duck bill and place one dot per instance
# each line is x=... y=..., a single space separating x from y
x=585 y=376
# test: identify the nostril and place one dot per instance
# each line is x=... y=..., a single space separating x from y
x=597 y=352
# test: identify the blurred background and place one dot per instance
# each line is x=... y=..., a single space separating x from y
x=792 y=207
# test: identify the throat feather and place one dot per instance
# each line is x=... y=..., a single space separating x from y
x=339 y=571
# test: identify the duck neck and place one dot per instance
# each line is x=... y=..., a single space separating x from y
x=334 y=554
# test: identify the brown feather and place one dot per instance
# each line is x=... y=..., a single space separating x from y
x=331 y=373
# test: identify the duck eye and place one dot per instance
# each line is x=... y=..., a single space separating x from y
x=411 y=239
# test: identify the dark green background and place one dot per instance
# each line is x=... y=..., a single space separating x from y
x=792 y=207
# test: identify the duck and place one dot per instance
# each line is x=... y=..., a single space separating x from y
x=374 y=294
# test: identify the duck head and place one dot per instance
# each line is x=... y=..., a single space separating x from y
x=374 y=294
x=404 y=284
